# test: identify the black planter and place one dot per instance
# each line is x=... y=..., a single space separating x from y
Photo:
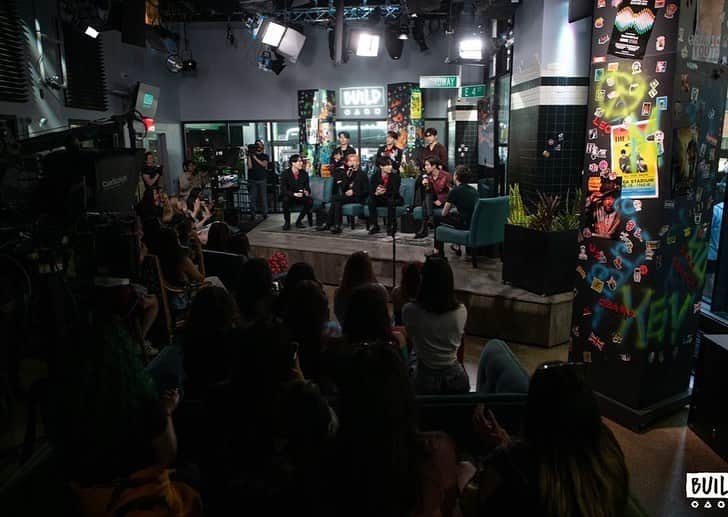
x=540 y=262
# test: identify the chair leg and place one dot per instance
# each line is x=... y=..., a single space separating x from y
x=352 y=221
x=474 y=257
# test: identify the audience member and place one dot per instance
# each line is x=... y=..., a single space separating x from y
x=406 y=292
x=297 y=273
x=219 y=237
x=254 y=292
x=307 y=320
x=568 y=463
x=240 y=245
x=436 y=325
x=358 y=271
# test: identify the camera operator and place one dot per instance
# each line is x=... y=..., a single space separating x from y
x=151 y=172
x=257 y=178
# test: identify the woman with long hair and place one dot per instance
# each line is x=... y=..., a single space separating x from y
x=218 y=237
x=436 y=324
x=177 y=267
x=568 y=463
x=297 y=273
x=358 y=270
x=408 y=289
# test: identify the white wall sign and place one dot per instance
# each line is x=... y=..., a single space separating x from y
x=361 y=102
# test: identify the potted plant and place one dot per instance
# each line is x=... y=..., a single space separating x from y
x=540 y=248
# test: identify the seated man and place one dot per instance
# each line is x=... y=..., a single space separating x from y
x=434 y=185
x=384 y=188
x=464 y=198
x=351 y=185
x=296 y=189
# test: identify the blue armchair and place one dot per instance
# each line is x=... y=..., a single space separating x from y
x=486 y=227
x=321 y=190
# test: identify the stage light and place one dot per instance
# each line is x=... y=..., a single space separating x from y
x=471 y=48
x=91 y=32
x=174 y=63
x=403 y=29
x=367 y=45
x=278 y=64
x=273 y=34
x=291 y=44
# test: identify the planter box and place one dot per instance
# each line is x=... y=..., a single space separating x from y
x=540 y=262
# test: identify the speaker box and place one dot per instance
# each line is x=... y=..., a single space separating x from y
x=708 y=417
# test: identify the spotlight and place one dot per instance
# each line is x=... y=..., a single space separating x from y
x=277 y=64
x=393 y=43
x=471 y=48
x=174 y=63
x=91 y=32
x=273 y=34
x=367 y=45
x=403 y=29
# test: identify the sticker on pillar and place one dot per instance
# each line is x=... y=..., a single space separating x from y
x=601 y=3
x=599 y=23
x=581 y=272
x=661 y=103
x=596 y=341
x=600 y=95
x=635 y=151
x=659 y=4
x=707 y=35
x=597 y=285
x=637 y=204
x=598 y=74
x=694 y=94
x=575 y=331
x=601 y=207
x=604 y=38
x=632 y=28
x=625 y=357
x=660 y=43
x=652 y=93
x=636 y=68
x=670 y=11
x=685 y=160
x=582 y=253
x=617 y=262
x=612 y=283
x=586 y=356
x=661 y=67
x=637 y=275
x=646 y=109
x=612 y=67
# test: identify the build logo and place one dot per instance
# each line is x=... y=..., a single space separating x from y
x=707 y=490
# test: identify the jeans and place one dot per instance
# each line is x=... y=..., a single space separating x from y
x=499 y=371
x=167 y=369
x=448 y=380
x=258 y=188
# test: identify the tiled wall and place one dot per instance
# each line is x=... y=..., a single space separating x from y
x=467 y=133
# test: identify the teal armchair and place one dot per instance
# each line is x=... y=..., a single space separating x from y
x=407 y=191
x=321 y=191
x=486 y=227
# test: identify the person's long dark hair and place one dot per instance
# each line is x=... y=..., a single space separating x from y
x=218 y=237
x=167 y=248
x=211 y=316
x=581 y=468
x=411 y=280
x=357 y=271
x=254 y=289
x=367 y=317
x=297 y=273
x=306 y=313
x=377 y=445
x=437 y=290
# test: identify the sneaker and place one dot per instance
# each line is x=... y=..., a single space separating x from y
x=149 y=349
x=286 y=227
x=374 y=229
x=299 y=224
x=422 y=233
x=323 y=228
x=336 y=230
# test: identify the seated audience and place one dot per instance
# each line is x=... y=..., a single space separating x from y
x=436 y=325
x=406 y=292
x=500 y=371
x=254 y=292
x=568 y=462
x=358 y=270
x=240 y=245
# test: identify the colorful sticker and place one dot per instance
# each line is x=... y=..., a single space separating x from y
x=661 y=67
x=597 y=285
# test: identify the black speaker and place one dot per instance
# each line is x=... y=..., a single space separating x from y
x=708 y=417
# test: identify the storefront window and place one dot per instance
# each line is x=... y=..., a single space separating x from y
x=202 y=141
x=373 y=135
x=285 y=131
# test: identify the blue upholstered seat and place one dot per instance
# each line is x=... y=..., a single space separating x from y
x=407 y=191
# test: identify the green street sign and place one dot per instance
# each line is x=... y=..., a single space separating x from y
x=474 y=91
x=439 y=81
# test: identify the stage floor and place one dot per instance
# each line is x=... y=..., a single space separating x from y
x=495 y=309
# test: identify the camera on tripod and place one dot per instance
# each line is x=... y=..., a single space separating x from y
x=252 y=148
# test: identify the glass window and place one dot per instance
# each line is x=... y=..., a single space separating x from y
x=285 y=132
x=242 y=133
x=202 y=141
x=281 y=154
x=351 y=127
x=373 y=135
x=504 y=106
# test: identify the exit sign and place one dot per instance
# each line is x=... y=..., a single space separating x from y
x=474 y=91
x=439 y=81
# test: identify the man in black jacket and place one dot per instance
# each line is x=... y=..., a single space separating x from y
x=296 y=189
x=384 y=188
x=390 y=150
x=351 y=185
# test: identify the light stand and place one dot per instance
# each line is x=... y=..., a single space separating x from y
x=391 y=216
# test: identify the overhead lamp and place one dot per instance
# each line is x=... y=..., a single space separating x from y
x=367 y=45
x=471 y=48
x=393 y=43
x=174 y=63
x=291 y=44
x=273 y=34
x=403 y=29
x=91 y=32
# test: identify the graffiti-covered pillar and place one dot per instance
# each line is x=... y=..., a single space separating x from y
x=316 y=119
x=656 y=103
x=405 y=116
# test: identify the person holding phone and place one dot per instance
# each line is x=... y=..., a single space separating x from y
x=296 y=190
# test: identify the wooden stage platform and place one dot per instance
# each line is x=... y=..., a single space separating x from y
x=494 y=309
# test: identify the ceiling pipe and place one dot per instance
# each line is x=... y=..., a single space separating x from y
x=339 y=33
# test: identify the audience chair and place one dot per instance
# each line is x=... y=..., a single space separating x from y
x=351 y=212
x=172 y=322
x=486 y=227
